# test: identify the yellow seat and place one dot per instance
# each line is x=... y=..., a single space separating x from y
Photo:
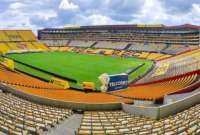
x=27 y=35
x=13 y=35
x=4 y=48
x=40 y=46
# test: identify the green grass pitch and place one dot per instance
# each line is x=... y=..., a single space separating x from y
x=81 y=67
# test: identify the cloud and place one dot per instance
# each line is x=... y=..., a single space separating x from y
x=16 y=5
x=66 y=5
x=150 y=12
x=96 y=19
x=19 y=14
x=57 y=13
x=154 y=12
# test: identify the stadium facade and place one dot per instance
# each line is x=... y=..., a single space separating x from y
x=184 y=34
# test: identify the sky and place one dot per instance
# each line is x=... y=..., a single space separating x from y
x=37 y=14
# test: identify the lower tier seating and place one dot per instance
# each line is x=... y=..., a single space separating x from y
x=21 y=117
x=62 y=49
x=175 y=49
x=9 y=77
x=40 y=46
x=143 y=55
x=119 y=122
x=47 y=90
x=177 y=65
x=4 y=48
x=157 y=90
x=7 y=47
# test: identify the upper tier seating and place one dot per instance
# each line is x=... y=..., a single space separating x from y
x=111 y=45
x=13 y=35
x=27 y=35
x=19 y=41
x=165 y=36
x=119 y=122
x=16 y=35
x=81 y=43
x=3 y=36
x=20 y=117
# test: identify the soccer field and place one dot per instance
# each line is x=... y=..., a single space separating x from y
x=80 y=67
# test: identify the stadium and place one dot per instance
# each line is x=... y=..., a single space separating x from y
x=104 y=79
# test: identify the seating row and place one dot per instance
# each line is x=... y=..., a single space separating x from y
x=17 y=35
x=178 y=65
x=19 y=117
x=143 y=55
x=119 y=122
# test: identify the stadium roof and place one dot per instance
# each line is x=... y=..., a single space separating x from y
x=130 y=26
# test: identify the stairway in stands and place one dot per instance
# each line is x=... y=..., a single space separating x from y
x=69 y=126
x=126 y=48
x=67 y=44
x=93 y=44
x=167 y=46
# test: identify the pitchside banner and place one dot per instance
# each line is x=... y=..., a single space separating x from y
x=113 y=82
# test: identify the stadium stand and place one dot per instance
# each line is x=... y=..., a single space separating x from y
x=17 y=35
x=179 y=64
x=46 y=90
x=119 y=122
x=18 y=116
x=13 y=35
x=173 y=80
x=27 y=35
x=19 y=41
x=154 y=56
x=81 y=43
x=143 y=55
x=158 y=90
x=40 y=46
x=176 y=49
x=111 y=45
x=150 y=56
x=160 y=40
x=4 y=48
x=156 y=34
x=56 y=42
x=62 y=49
x=147 y=47
x=3 y=37
x=9 y=77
